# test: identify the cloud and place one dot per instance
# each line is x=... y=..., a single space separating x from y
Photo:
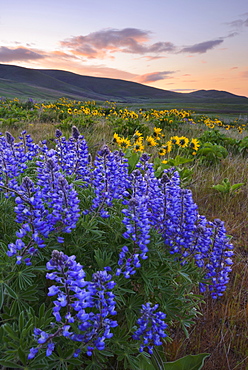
x=19 y=54
x=232 y=34
x=149 y=57
x=239 y=23
x=103 y=43
x=154 y=76
x=202 y=47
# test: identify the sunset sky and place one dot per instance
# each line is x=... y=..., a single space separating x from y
x=178 y=45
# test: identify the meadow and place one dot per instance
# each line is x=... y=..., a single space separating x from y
x=153 y=205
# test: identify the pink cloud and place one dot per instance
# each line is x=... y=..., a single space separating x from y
x=201 y=47
x=102 y=43
x=19 y=54
x=154 y=76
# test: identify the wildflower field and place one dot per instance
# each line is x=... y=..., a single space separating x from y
x=123 y=237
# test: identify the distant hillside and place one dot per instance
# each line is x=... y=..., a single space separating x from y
x=46 y=84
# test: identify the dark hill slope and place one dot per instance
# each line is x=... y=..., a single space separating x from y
x=74 y=85
x=110 y=86
x=47 y=84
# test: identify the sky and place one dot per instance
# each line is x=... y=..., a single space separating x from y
x=176 y=45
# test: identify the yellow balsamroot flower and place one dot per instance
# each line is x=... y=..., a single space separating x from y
x=194 y=145
x=151 y=141
x=164 y=162
x=168 y=146
x=162 y=151
x=183 y=142
x=175 y=140
x=137 y=135
x=138 y=147
x=117 y=139
x=157 y=132
x=139 y=141
x=69 y=111
x=124 y=143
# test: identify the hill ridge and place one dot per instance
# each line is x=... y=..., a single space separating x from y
x=47 y=84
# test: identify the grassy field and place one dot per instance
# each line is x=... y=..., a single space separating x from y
x=222 y=328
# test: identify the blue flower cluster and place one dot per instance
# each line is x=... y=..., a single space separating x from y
x=14 y=157
x=109 y=179
x=163 y=205
x=151 y=327
x=47 y=204
x=87 y=304
x=73 y=154
x=190 y=235
x=138 y=231
x=50 y=205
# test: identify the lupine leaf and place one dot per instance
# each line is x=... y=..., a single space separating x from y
x=190 y=362
x=10 y=364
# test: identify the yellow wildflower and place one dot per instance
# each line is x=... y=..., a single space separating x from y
x=157 y=132
x=151 y=141
x=194 y=144
x=117 y=139
x=124 y=143
x=168 y=146
x=137 y=135
x=175 y=140
x=162 y=151
x=183 y=141
x=138 y=147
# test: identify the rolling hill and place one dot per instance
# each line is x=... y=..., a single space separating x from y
x=46 y=84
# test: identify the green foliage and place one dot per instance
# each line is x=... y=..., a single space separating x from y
x=216 y=137
x=127 y=127
x=225 y=187
x=190 y=362
x=212 y=136
x=211 y=153
x=178 y=162
x=243 y=146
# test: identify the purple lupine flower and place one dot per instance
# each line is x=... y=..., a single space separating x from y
x=32 y=353
x=73 y=155
x=137 y=226
x=50 y=349
x=75 y=295
x=151 y=327
x=109 y=179
x=49 y=206
x=13 y=159
x=219 y=261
